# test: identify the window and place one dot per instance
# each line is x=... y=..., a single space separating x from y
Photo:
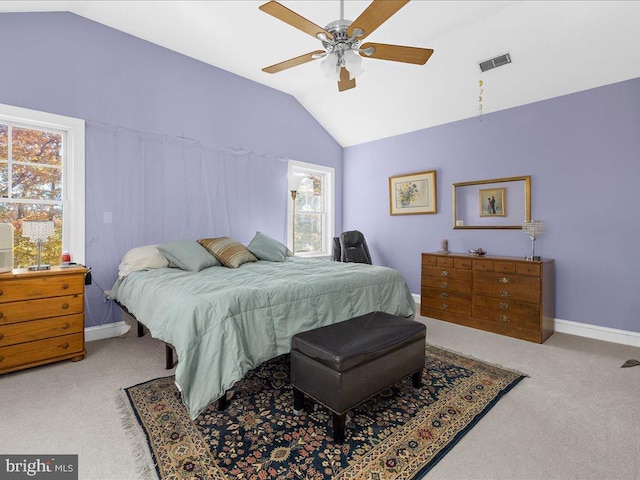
x=42 y=178
x=314 y=210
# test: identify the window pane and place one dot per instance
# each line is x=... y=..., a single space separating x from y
x=25 y=251
x=308 y=233
x=4 y=142
x=309 y=197
x=37 y=146
x=4 y=180
x=37 y=182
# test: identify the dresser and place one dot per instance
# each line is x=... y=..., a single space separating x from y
x=41 y=317
x=506 y=295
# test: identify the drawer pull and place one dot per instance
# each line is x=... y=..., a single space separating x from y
x=1 y=314
x=65 y=286
x=65 y=306
x=444 y=295
x=1 y=336
x=1 y=292
x=444 y=273
x=444 y=306
x=504 y=280
x=444 y=285
x=504 y=306
x=504 y=318
x=65 y=326
x=64 y=345
x=504 y=293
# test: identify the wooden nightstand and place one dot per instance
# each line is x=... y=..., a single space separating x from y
x=41 y=317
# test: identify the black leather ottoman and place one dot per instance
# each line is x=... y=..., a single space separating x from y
x=344 y=364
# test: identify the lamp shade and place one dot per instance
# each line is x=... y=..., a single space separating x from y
x=353 y=63
x=330 y=66
x=37 y=230
x=295 y=180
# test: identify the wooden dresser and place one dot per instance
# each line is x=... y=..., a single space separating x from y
x=506 y=295
x=41 y=317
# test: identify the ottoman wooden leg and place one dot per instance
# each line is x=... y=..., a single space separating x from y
x=338 y=428
x=416 y=378
x=140 y=329
x=298 y=401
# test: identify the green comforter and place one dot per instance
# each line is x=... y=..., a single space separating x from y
x=223 y=322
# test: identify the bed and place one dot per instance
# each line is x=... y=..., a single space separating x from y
x=223 y=321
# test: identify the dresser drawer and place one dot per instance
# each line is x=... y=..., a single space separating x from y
x=40 y=329
x=448 y=284
x=453 y=304
x=14 y=312
x=507 y=280
x=446 y=273
x=507 y=292
x=25 y=354
x=26 y=288
x=517 y=314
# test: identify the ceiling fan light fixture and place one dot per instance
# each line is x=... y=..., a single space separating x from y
x=330 y=66
x=353 y=64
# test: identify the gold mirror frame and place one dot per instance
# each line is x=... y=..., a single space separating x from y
x=527 y=203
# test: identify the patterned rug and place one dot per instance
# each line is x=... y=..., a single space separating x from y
x=400 y=434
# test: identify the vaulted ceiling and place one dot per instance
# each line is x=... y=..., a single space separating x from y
x=556 y=47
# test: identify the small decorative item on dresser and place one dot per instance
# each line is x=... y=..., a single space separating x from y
x=444 y=246
x=533 y=229
x=478 y=252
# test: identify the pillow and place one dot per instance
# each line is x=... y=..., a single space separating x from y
x=188 y=255
x=141 y=258
x=229 y=252
x=267 y=248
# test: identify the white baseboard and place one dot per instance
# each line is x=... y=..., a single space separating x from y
x=623 y=337
x=606 y=334
x=109 y=330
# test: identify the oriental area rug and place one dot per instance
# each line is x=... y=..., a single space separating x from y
x=399 y=434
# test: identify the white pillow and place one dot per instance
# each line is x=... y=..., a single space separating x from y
x=141 y=258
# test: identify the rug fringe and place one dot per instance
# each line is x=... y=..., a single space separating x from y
x=481 y=360
x=145 y=467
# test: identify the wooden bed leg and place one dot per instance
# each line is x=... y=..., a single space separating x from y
x=223 y=402
x=140 y=329
x=169 y=356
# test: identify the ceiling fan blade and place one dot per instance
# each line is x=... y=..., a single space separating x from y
x=398 y=53
x=292 y=62
x=281 y=12
x=375 y=15
x=344 y=83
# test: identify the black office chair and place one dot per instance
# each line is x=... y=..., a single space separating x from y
x=351 y=247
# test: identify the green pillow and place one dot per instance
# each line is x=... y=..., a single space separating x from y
x=266 y=248
x=188 y=255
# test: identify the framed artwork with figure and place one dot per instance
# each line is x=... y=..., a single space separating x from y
x=492 y=202
x=413 y=193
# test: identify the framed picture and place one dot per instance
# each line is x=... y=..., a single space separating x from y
x=413 y=194
x=492 y=202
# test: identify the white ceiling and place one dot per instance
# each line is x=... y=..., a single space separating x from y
x=557 y=47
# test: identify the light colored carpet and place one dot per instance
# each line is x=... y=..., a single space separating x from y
x=577 y=416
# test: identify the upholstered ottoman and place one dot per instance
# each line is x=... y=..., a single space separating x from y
x=344 y=364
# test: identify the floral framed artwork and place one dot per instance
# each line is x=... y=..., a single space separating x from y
x=413 y=193
x=492 y=202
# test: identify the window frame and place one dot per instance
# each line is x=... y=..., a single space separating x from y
x=73 y=170
x=329 y=200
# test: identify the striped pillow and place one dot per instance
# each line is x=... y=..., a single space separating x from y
x=229 y=252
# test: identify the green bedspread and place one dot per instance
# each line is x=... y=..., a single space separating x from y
x=224 y=322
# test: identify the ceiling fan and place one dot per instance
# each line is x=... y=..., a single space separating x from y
x=342 y=41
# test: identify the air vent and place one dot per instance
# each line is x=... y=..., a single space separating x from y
x=495 y=62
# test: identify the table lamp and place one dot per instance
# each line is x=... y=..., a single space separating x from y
x=38 y=232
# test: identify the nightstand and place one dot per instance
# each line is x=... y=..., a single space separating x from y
x=41 y=317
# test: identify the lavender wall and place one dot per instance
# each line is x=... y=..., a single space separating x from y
x=582 y=152
x=65 y=64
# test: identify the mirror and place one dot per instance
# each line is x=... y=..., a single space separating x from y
x=496 y=203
